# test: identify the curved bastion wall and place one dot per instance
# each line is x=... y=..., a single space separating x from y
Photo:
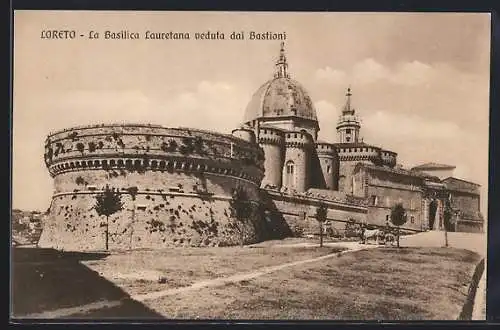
x=175 y=184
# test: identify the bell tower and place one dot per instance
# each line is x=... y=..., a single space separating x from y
x=348 y=125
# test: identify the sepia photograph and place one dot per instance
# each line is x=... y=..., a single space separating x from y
x=249 y=165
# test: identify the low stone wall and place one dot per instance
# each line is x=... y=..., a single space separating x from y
x=466 y=313
x=299 y=213
x=470 y=227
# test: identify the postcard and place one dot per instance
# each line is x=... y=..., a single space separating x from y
x=249 y=165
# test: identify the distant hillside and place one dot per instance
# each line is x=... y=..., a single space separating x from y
x=26 y=226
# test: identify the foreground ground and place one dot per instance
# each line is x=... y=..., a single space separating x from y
x=387 y=284
x=273 y=280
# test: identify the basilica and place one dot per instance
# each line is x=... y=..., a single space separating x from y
x=282 y=116
x=176 y=186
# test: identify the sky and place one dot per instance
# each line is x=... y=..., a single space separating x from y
x=420 y=81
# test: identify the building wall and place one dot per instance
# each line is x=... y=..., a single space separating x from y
x=467 y=203
x=346 y=169
x=384 y=190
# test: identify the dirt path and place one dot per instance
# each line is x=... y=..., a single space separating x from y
x=65 y=312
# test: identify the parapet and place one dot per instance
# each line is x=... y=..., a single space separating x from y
x=298 y=139
x=246 y=134
x=326 y=149
x=271 y=135
x=389 y=158
x=122 y=146
x=357 y=151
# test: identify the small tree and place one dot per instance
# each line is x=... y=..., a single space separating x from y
x=398 y=218
x=240 y=210
x=447 y=220
x=108 y=203
x=321 y=213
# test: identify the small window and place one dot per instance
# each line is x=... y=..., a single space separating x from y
x=348 y=131
x=348 y=138
x=374 y=200
x=412 y=219
x=328 y=169
x=303 y=215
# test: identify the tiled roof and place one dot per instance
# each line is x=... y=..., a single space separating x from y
x=400 y=171
x=433 y=166
x=461 y=180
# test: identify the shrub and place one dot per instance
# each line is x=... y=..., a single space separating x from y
x=80 y=146
x=79 y=180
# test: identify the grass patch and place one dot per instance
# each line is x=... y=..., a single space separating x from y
x=376 y=284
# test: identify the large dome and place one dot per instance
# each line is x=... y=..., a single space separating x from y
x=280 y=97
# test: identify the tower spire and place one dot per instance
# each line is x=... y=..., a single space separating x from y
x=348 y=125
x=347 y=107
x=281 y=64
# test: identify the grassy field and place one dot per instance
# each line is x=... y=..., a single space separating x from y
x=139 y=272
x=411 y=283
x=381 y=284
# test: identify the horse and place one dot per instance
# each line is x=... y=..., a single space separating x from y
x=373 y=233
x=389 y=237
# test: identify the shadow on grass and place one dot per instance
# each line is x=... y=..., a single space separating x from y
x=46 y=280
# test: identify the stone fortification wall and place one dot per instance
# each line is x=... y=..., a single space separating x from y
x=299 y=210
x=176 y=186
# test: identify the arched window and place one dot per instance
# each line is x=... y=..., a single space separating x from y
x=290 y=173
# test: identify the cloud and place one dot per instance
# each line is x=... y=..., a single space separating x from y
x=412 y=73
x=412 y=127
x=369 y=71
x=330 y=75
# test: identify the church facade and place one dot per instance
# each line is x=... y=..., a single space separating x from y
x=177 y=184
